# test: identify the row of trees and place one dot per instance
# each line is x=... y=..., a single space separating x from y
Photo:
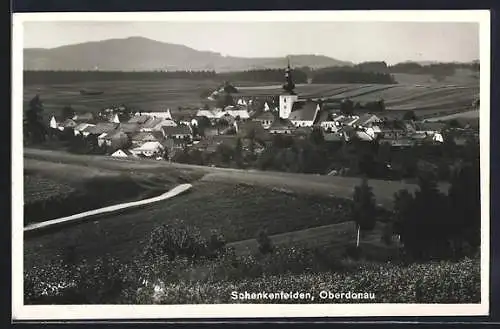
x=257 y=75
x=431 y=224
x=434 y=69
x=264 y=75
x=351 y=75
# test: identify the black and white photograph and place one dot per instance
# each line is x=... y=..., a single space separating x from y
x=250 y=164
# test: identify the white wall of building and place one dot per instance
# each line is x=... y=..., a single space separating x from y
x=286 y=103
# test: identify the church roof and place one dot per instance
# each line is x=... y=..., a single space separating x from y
x=304 y=111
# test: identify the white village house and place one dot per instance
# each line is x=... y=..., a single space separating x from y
x=148 y=149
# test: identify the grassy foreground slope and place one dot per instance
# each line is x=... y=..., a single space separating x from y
x=238 y=211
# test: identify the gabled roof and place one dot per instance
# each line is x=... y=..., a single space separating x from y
x=429 y=126
x=152 y=123
x=180 y=116
x=179 y=130
x=265 y=116
x=143 y=135
x=82 y=126
x=68 y=122
x=367 y=118
x=127 y=152
x=114 y=134
x=129 y=127
x=347 y=120
x=390 y=126
x=140 y=119
x=101 y=127
x=149 y=146
x=243 y=114
x=84 y=116
x=304 y=111
x=206 y=113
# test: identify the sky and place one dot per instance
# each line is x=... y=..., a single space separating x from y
x=392 y=42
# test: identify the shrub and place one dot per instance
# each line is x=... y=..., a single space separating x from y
x=176 y=241
x=265 y=243
x=105 y=281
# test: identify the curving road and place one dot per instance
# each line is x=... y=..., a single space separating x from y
x=106 y=210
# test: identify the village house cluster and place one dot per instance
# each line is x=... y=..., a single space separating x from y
x=153 y=134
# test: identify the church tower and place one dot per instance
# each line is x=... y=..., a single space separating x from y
x=289 y=97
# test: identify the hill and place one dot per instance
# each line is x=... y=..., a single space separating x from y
x=142 y=54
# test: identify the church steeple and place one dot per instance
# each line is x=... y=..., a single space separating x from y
x=289 y=86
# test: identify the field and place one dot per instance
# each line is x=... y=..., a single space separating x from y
x=162 y=94
x=238 y=203
x=238 y=211
x=53 y=190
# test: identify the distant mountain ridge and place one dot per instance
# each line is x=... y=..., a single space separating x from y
x=142 y=54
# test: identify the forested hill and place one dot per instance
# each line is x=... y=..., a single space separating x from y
x=142 y=54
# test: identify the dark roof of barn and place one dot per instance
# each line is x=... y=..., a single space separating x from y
x=303 y=111
x=179 y=130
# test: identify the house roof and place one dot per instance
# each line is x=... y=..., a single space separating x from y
x=159 y=115
x=129 y=127
x=101 y=127
x=127 y=152
x=304 y=111
x=430 y=126
x=390 y=126
x=178 y=130
x=243 y=114
x=114 y=134
x=206 y=113
x=147 y=135
x=84 y=116
x=149 y=146
x=180 y=116
x=82 y=126
x=140 y=119
x=152 y=123
x=366 y=118
x=346 y=120
x=68 y=122
x=265 y=116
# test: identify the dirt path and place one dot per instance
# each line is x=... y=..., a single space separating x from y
x=106 y=210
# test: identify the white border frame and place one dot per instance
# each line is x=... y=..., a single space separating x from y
x=90 y=312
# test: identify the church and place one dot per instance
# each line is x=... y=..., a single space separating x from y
x=301 y=113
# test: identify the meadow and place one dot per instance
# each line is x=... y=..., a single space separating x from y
x=159 y=95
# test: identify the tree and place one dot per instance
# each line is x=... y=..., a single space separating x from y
x=265 y=243
x=464 y=195
x=238 y=153
x=410 y=115
x=363 y=208
x=34 y=129
x=424 y=222
x=454 y=124
x=224 y=99
x=317 y=136
x=67 y=112
x=169 y=149
x=347 y=107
